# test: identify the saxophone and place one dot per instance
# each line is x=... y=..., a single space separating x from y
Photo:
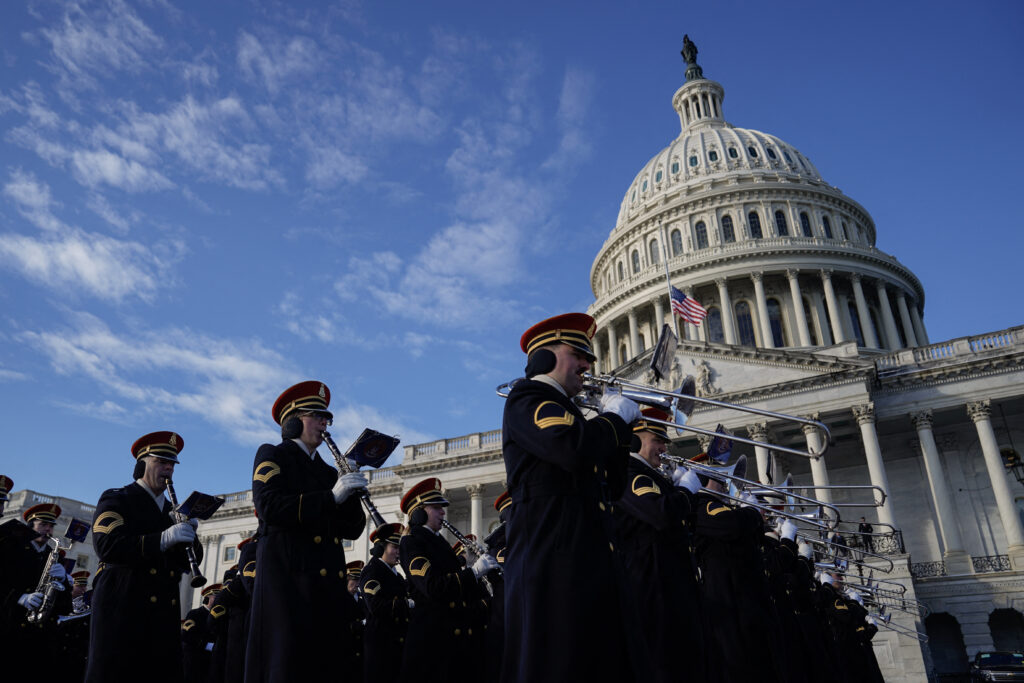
x=47 y=586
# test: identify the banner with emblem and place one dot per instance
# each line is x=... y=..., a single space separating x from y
x=200 y=505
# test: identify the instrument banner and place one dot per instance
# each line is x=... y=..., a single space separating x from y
x=77 y=530
x=720 y=448
x=200 y=506
x=372 y=448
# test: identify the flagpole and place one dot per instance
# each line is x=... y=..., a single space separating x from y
x=668 y=281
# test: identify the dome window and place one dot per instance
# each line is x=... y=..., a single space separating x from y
x=789 y=159
x=657 y=177
x=771 y=153
x=693 y=160
x=677 y=243
x=621 y=273
x=701 y=231
x=654 y=251
x=733 y=154
x=845 y=234
x=675 y=167
x=636 y=261
x=715 y=332
x=827 y=225
x=713 y=155
x=644 y=188
x=728 y=232
x=755 y=225
x=744 y=323
x=775 y=323
x=805 y=224
x=752 y=151
x=782 y=227
x=634 y=196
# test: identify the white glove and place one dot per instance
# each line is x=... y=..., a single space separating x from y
x=59 y=585
x=747 y=499
x=854 y=595
x=623 y=407
x=686 y=479
x=484 y=564
x=826 y=578
x=805 y=550
x=58 y=572
x=348 y=484
x=871 y=620
x=412 y=603
x=31 y=600
x=182 y=532
x=194 y=522
x=209 y=647
x=787 y=530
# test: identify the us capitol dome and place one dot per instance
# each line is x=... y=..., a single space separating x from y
x=753 y=232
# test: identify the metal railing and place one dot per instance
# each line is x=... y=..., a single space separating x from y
x=991 y=563
x=924 y=570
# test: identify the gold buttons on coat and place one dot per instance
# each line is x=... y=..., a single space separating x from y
x=458 y=631
x=174 y=601
x=323 y=572
x=317 y=539
x=452 y=605
x=341 y=574
x=611 y=546
x=600 y=506
x=152 y=598
x=152 y=570
x=336 y=540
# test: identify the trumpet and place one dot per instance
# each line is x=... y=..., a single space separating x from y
x=343 y=468
x=197 y=576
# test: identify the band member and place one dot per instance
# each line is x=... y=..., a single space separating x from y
x=655 y=525
x=197 y=639
x=236 y=599
x=25 y=552
x=73 y=630
x=564 y=606
x=494 y=647
x=737 y=604
x=387 y=606
x=306 y=510
x=142 y=551
x=356 y=617
x=438 y=586
x=218 y=624
x=477 y=607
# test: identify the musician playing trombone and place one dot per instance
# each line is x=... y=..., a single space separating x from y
x=565 y=612
x=135 y=610
x=654 y=521
x=306 y=511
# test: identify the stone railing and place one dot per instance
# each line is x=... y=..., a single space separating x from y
x=924 y=570
x=963 y=348
x=458 y=444
x=991 y=563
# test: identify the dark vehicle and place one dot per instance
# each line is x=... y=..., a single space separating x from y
x=998 y=666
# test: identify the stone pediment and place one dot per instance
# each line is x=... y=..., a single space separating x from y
x=721 y=369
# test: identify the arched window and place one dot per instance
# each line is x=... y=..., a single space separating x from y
x=701 y=231
x=677 y=243
x=755 y=225
x=622 y=274
x=643 y=343
x=657 y=177
x=653 y=248
x=771 y=153
x=712 y=155
x=780 y=224
x=728 y=233
x=675 y=167
x=693 y=160
x=946 y=642
x=752 y=151
x=745 y=323
x=1007 y=628
x=635 y=257
x=805 y=224
x=855 y=320
x=827 y=225
x=809 y=318
x=715 y=332
x=775 y=322
x=733 y=154
x=623 y=354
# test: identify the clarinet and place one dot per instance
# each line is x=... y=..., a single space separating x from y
x=197 y=576
x=477 y=548
x=343 y=468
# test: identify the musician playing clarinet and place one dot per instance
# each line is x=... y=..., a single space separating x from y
x=135 y=611
x=306 y=511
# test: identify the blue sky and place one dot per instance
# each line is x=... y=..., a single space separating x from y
x=203 y=203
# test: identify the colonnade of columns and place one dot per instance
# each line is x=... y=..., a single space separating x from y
x=832 y=311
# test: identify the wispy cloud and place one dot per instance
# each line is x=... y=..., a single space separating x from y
x=273 y=61
x=573 y=106
x=32 y=199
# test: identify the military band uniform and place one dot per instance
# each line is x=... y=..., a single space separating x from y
x=195 y=635
x=138 y=585
x=654 y=524
x=438 y=624
x=219 y=624
x=235 y=597
x=494 y=645
x=387 y=608
x=737 y=604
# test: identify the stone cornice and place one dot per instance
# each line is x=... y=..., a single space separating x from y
x=449 y=462
x=773 y=358
x=937 y=375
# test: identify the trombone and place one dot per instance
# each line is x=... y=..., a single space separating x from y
x=830 y=550
x=883 y=621
x=828 y=487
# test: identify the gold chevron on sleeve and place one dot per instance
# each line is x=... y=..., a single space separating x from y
x=107 y=522
x=265 y=471
x=642 y=484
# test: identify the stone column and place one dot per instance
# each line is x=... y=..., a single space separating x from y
x=919 y=331
x=887 y=319
x=767 y=341
x=759 y=432
x=728 y=320
x=908 y=326
x=981 y=413
x=833 y=307
x=798 y=308
x=957 y=561
x=634 y=334
x=825 y=332
x=819 y=474
x=865 y=415
x=863 y=314
x=613 y=347
x=659 y=319
x=476 y=510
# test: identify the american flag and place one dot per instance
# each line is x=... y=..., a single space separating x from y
x=687 y=308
